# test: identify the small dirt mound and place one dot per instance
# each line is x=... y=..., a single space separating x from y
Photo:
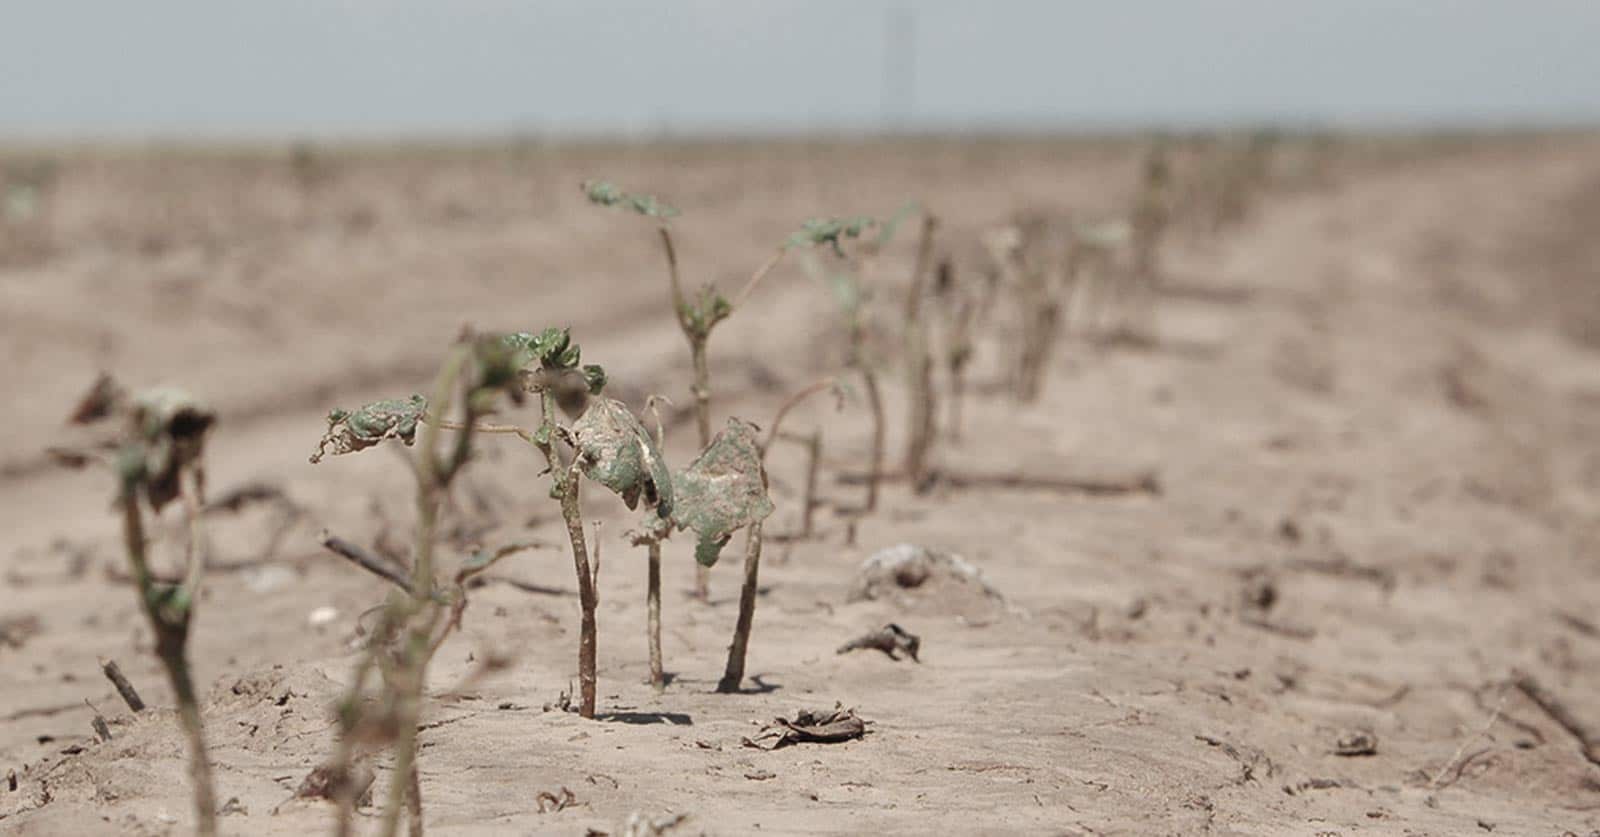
x=919 y=579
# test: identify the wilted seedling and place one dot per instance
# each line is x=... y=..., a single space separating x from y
x=818 y=231
x=615 y=451
x=812 y=443
x=959 y=310
x=922 y=416
x=475 y=374
x=608 y=194
x=161 y=458
x=697 y=317
x=851 y=295
x=722 y=491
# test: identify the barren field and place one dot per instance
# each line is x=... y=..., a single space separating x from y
x=1372 y=411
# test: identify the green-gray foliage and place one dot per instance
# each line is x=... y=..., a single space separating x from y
x=605 y=193
x=722 y=491
x=615 y=450
x=394 y=418
x=706 y=311
x=818 y=231
x=551 y=348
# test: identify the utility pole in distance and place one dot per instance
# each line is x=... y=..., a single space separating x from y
x=899 y=68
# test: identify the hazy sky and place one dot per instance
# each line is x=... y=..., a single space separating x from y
x=177 y=67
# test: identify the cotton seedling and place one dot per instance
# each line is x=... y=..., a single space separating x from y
x=959 y=310
x=812 y=444
x=851 y=295
x=613 y=449
x=419 y=616
x=697 y=317
x=1151 y=213
x=160 y=457
x=655 y=528
x=922 y=415
x=722 y=491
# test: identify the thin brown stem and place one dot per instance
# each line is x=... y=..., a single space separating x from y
x=875 y=403
x=169 y=620
x=702 y=390
x=447 y=424
x=573 y=515
x=595 y=557
x=653 y=611
x=680 y=305
x=733 y=675
x=755 y=278
x=813 y=461
x=794 y=401
x=410 y=675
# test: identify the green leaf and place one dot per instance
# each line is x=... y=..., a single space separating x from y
x=722 y=491
x=552 y=348
x=818 y=231
x=615 y=450
x=594 y=375
x=605 y=193
x=349 y=432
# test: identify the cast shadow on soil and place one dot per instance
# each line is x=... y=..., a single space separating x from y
x=759 y=686
x=677 y=719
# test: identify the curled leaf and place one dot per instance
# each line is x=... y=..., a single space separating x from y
x=393 y=418
x=168 y=433
x=551 y=348
x=818 y=231
x=594 y=377
x=605 y=193
x=722 y=491
x=615 y=450
x=102 y=399
x=496 y=364
x=708 y=309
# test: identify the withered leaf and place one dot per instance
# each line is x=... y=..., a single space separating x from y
x=615 y=450
x=394 y=418
x=722 y=491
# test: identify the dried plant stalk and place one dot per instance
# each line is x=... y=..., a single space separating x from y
x=733 y=673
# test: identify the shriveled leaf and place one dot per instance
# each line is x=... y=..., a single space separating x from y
x=818 y=231
x=496 y=364
x=722 y=491
x=100 y=401
x=605 y=193
x=615 y=450
x=169 y=433
x=393 y=418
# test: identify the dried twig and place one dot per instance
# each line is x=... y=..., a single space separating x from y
x=1588 y=740
x=1455 y=760
x=129 y=694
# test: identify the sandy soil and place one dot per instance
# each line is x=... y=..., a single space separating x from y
x=1373 y=410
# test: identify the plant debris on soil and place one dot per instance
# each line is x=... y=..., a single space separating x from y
x=1342 y=478
x=891 y=639
x=824 y=726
